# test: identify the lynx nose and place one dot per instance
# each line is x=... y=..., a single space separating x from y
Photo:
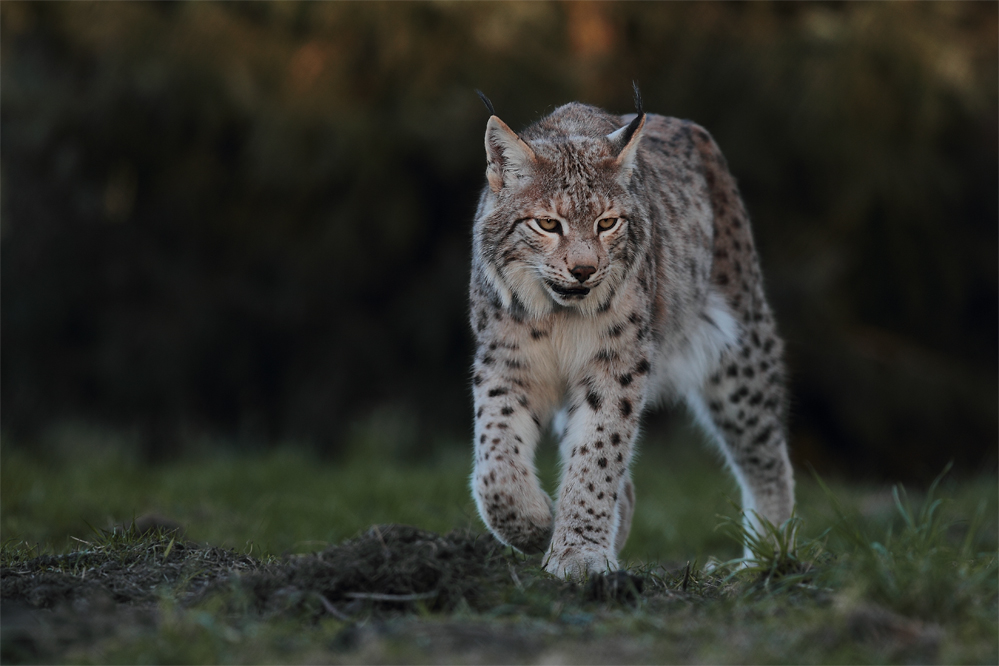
x=582 y=273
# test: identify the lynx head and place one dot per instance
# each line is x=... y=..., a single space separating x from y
x=561 y=220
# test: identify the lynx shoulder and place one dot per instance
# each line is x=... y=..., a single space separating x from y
x=613 y=268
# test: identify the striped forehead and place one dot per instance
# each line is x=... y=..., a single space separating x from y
x=578 y=203
x=577 y=177
x=576 y=158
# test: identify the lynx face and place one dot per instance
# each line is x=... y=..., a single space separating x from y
x=561 y=227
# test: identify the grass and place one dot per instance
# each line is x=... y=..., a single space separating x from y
x=862 y=574
x=286 y=501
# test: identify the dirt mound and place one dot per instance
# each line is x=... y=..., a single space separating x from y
x=388 y=567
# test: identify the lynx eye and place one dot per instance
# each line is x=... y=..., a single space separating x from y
x=607 y=223
x=547 y=223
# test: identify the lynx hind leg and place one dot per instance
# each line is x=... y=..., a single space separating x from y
x=743 y=407
x=625 y=512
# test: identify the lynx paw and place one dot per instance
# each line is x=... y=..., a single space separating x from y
x=577 y=562
x=521 y=521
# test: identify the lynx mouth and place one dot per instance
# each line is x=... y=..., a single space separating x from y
x=568 y=292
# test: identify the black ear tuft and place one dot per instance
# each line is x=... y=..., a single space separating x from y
x=633 y=127
x=485 y=100
x=638 y=98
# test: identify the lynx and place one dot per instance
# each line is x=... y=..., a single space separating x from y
x=613 y=268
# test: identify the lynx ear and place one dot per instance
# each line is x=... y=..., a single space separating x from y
x=627 y=139
x=507 y=155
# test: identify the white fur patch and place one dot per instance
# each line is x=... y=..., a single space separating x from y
x=560 y=422
x=688 y=367
x=575 y=342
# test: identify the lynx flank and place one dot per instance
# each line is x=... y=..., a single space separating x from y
x=613 y=268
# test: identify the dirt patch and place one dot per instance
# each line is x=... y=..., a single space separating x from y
x=54 y=604
x=390 y=567
x=399 y=594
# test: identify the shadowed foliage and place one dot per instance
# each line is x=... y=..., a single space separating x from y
x=252 y=219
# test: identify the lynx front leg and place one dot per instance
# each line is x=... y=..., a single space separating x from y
x=596 y=499
x=743 y=406
x=507 y=427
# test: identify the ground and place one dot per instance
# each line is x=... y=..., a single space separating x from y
x=282 y=557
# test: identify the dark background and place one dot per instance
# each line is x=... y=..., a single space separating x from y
x=252 y=220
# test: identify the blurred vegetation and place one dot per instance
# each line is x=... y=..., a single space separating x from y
x=288 y=500
x=252 y=220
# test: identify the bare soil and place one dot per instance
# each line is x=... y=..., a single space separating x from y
x=53 y=605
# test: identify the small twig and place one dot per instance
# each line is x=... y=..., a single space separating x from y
x=686 y=577
x=378 y=596
x=332 y=610
x=516 y=580
x=385 y=548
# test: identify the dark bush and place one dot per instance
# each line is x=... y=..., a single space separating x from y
x=253 y=219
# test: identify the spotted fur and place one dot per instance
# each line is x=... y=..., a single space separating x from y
x=601 y=323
